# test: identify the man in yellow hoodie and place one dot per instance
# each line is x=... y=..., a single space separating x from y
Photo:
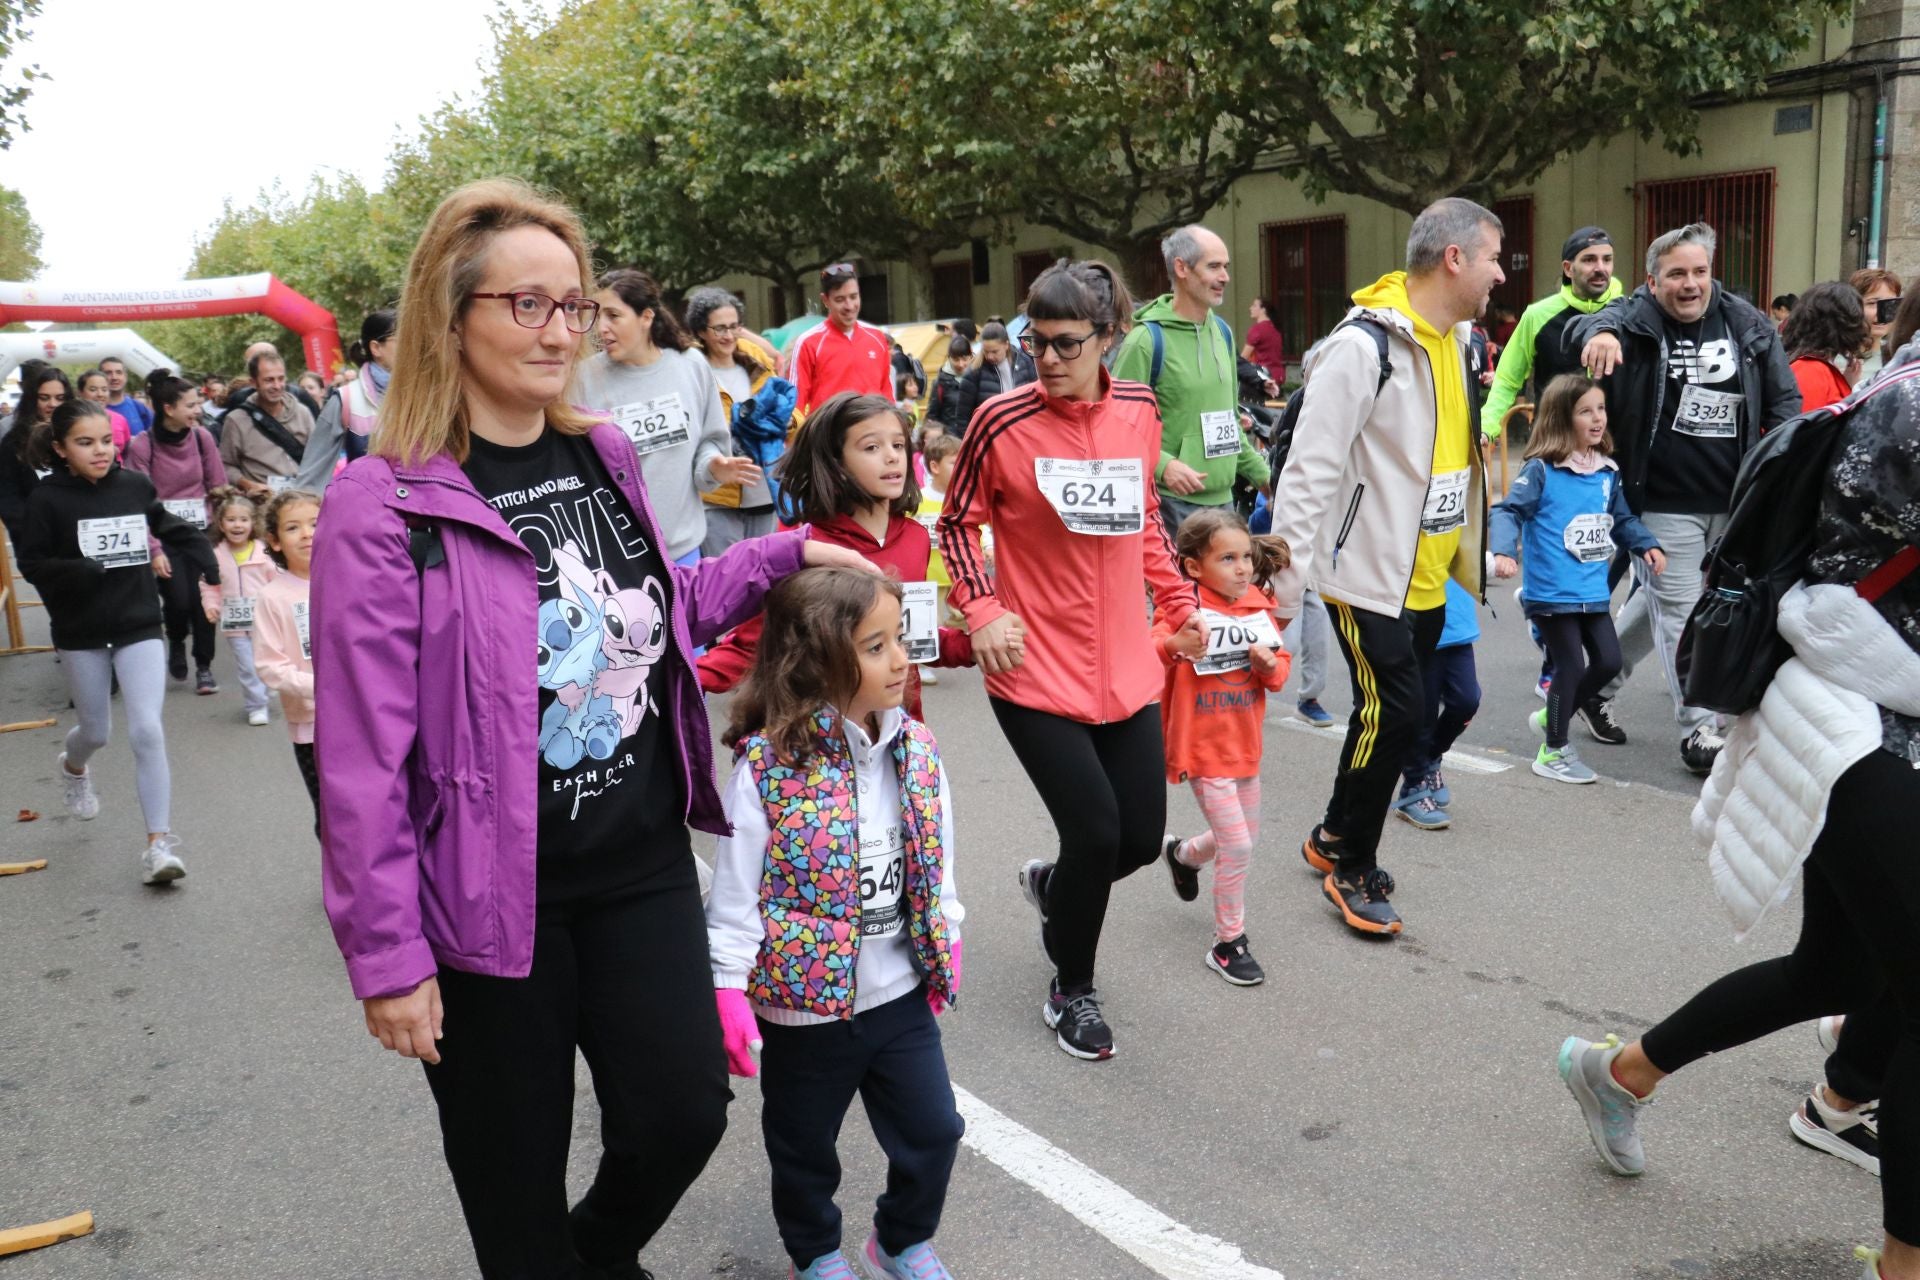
x=1381 y=500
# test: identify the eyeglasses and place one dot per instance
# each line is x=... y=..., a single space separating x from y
x=724 y=330
x=534 y=310
x=1067 y=346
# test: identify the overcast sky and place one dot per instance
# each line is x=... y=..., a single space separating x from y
x=147 y=126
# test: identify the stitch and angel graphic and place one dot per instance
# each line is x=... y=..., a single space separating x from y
x=597 y=644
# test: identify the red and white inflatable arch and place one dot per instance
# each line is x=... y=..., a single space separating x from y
x=258 y=294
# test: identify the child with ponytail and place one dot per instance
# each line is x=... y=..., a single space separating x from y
x=245 y=568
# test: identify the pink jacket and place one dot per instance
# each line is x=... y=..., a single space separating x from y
x=283 y=650
x=238 y=580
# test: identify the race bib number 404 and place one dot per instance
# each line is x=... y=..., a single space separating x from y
x=1104 y=497
x=192 y=510
x=1230 y=636
x=656 y=424
x=118 y=542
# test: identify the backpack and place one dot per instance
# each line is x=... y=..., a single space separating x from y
x=1731 y=646
x=1290 y=413
x=270 y=427
x=1159 y=337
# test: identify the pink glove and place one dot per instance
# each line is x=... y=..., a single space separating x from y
x=935 y=1001
x=738 y=1031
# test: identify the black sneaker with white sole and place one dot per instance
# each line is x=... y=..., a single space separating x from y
x=1597 y=714
x=1699 y=749
x=1035 y=875
x=1186 y=880
x=1077 y=1023
x=1853 y=1135
x=1232 y=961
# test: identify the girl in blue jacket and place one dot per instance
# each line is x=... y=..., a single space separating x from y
x=1564 y=513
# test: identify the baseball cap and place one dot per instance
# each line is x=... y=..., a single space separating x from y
x=1584 y=238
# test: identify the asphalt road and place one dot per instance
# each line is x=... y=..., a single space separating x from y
x=189 y=1065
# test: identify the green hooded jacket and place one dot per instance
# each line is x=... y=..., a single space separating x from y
x=1198 y=375
x=1543 y=322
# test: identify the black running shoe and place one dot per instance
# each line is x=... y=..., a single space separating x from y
x=177 y=659
x=1035 y=876
x=1077 y=1024
x=204 y=683
x=1598 y=715
x=1854 y=1135
x=1699 y=749
x=1361 y=899
x=1186 y=880
x=1232 y=961
x=1319 y=851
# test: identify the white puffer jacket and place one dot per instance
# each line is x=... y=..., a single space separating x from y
x=1766 y=799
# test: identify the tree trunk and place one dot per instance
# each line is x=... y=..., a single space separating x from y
x=919 y=299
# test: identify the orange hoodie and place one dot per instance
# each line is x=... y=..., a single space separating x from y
x=1089 y=651
x=1213 y=723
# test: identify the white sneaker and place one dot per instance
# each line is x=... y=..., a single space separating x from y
x=1828 y=1031
x=257 y=717
x=927 y=676
x=83 y=802
x=160 y=863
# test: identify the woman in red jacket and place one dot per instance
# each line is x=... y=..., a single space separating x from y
x=1063 y=470
x=1824 y=336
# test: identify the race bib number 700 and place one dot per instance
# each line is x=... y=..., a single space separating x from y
x=1104 y=497
x=1230 y=636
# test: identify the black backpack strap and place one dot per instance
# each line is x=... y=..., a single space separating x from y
x=1379 y=332
x=424 y=547
x=270 y=427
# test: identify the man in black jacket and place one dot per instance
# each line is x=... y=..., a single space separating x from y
x=1693 y=376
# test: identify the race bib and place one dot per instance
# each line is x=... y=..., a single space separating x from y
x=1102 y=497
x=1446 y=508
x=1229 y=636
x=920 y=620
x=883 y=877
x=1708 y=415
x=300 y=625
x=192 y=510
x=118 y=542
x=1589 y=537
x=1220 y=433
x=656 y=424
x=276 y=484
x=237 y=613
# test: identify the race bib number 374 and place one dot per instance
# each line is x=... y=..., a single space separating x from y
x=1104 y=497
x=117 y=542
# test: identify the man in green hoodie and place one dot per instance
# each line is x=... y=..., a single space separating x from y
x=1186 y=354
x=1536 y=348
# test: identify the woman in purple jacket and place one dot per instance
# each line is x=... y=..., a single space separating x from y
x=507 y=861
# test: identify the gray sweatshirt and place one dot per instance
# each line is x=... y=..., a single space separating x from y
x=670 y=409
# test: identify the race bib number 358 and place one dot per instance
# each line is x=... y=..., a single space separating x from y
x=1101 y=497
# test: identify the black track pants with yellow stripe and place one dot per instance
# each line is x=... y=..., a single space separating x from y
x=1384 y=655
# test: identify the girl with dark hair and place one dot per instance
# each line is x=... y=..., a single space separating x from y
x=1062 y=470
x=182 y=460
x=666 y=400
x=344 y=428
x=758 y=406
x=848 y=477
x=1823 y=337
x=92 y=385
x=943 y=402
x=43 y=389
x=84 y=545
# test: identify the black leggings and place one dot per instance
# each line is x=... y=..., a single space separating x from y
x=1585 y=653
x=180 y=605
x=1862 y=901
x=629 y=983
x=1105 y=786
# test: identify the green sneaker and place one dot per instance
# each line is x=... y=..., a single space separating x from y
x=1564 y=765
x=1538 y=719
x=1611 y=1111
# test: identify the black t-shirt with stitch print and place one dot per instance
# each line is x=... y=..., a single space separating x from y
x=1696 y=446
x=611 y=803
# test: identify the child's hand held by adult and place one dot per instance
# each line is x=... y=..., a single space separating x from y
x=1000 y=646
x=1657 y=560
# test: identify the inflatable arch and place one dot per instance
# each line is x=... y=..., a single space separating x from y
x=260 y=294
x=81 y=346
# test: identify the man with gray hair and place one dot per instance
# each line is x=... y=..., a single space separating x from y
x=1186 y=354
x=1382 y=500
x=1693 y=376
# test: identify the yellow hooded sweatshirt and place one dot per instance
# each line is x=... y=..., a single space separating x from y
x=1451 y=441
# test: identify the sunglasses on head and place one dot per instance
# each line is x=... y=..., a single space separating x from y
x=838 y=273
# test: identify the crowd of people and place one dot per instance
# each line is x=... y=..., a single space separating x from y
x=665 y=505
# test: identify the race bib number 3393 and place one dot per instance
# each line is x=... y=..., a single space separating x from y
x=1708 y=415
x=1104 y=497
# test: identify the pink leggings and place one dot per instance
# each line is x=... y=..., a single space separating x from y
x=1232 y=809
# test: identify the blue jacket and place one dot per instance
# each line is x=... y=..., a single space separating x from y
x=1463 y=619
x=1567 y=524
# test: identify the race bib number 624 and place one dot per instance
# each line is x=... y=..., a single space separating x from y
x=1104 y=497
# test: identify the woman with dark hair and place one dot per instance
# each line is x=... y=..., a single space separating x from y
x=666 y=400
x=1264 y=347
x=42 y=390
x=182 y=459
x=344 y=428
x=1001 y=367
x=758 y=407
x=1062 y=469
x=1823 y=337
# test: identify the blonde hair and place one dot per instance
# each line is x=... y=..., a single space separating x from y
x=424 y=411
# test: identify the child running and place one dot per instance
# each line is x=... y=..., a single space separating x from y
x=833 y=920
x=848 y=473
x=1213 y=708
x=245 y=567
x=84 y=545
x=1565 y=512
x=283 y=651
x=1452 y=698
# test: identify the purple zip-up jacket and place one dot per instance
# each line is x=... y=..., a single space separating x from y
x=428 y=713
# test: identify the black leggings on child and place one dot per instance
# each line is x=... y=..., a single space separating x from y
x=1585 y=654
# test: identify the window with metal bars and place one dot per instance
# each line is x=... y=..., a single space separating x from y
x=1306 y=278
x=1516 y=254
x=1739 y=208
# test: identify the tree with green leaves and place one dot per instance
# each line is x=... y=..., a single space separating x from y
x=16 y=83
x=19 y=238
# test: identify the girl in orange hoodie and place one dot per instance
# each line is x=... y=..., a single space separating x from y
x=1213 y=708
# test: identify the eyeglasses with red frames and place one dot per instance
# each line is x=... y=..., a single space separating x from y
x=535 y=310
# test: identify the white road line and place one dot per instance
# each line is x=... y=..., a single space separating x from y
x=1163 y=1245
x=1468 y=761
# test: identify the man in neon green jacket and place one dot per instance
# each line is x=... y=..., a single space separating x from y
x=1536 y=348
